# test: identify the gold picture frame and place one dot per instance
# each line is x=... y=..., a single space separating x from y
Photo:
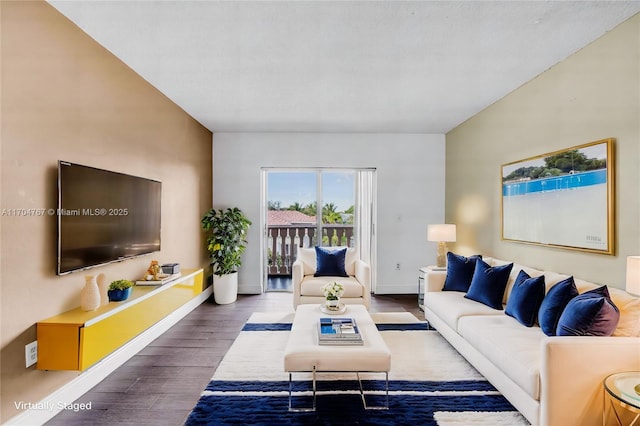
x=562 y=199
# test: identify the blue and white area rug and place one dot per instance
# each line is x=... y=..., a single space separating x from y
x=429 y=383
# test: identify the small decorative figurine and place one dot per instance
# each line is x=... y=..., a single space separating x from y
x=153 y=272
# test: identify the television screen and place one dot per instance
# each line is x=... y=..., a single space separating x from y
x=104 y=216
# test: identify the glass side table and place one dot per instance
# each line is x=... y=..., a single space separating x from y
x=622 y=398
x=422 y=281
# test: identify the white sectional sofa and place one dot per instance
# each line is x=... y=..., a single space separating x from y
x=551 y=380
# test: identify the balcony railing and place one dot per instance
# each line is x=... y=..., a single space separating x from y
x=283 y=242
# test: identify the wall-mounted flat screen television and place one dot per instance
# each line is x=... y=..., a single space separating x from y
x=104 y=216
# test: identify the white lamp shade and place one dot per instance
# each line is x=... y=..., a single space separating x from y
x=441 y=232
x=633 y=274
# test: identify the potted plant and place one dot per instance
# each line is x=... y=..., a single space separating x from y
x=120 y=290
x=333 y=291
x=226 y=242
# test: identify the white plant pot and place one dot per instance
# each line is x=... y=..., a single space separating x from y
x=332 y=304
x=225 y=288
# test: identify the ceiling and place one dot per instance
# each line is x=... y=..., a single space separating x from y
x=344 y=66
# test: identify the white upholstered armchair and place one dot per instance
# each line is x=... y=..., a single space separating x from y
x=307 y=288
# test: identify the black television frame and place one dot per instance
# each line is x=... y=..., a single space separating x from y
x=113 y=186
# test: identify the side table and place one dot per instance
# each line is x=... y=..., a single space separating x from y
x=422 y=278
x=621 y=400
x=422 y=272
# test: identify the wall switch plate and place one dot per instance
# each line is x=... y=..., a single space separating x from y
x=31 y=353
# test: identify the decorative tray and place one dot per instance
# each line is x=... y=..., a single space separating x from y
x=340 y=310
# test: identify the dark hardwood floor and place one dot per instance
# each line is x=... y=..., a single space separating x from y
x=162 y=383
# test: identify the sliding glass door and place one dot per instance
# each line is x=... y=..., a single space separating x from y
x=309 y=207
x=337 y=198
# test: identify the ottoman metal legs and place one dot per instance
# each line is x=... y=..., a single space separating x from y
x=361 y=388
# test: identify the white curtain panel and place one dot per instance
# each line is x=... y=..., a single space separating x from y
x=366 y=219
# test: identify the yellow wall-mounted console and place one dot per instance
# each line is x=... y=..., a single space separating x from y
x=75 y=340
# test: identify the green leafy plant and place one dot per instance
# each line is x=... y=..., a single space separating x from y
x=226 y=238
x=120 y=285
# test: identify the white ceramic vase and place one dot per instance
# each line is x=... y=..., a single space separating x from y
x=90 y=294
x=332 y=304
x=225 y=288
x=103 y=287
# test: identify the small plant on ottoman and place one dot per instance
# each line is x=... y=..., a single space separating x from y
x=333 y=292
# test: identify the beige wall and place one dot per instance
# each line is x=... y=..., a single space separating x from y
x=65 y=97
x=592 y=95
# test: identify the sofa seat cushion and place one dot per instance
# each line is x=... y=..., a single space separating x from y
x=312 y=286
x=450 y=306
x=509 y=346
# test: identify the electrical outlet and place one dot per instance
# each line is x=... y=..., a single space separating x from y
x=31 y=353
x=398 y=266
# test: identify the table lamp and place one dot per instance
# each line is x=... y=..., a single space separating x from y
x=441 y=233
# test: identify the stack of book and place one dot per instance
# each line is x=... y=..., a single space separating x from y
x=338 y=331
x=162 y=279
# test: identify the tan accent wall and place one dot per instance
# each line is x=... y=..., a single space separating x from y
x=592 y=95
x=64 y=97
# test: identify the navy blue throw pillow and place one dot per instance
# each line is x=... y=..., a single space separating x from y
x=459 y=272
x=488 y=284
x=330 y=263
x=554 y=303
x=591 y=313
x=525 y=298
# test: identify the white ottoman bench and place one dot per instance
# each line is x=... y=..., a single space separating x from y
x=303 y=354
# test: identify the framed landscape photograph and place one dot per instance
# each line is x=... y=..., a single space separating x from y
x=562 y=199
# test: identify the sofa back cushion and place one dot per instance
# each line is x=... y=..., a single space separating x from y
x=554 y=303
x=526 y=297
x=308 y=258
x=589 y=314
x=459 y=272
x=488 y=284
x=628 y=305
x=515 y=270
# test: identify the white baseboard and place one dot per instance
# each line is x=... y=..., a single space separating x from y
x=380 y=289
x=77 y=387
x=249 y=289
x=396 y=289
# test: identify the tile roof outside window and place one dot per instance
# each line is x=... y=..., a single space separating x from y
x=289 y=217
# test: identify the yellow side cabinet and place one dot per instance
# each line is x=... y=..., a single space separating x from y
x=75 y=340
